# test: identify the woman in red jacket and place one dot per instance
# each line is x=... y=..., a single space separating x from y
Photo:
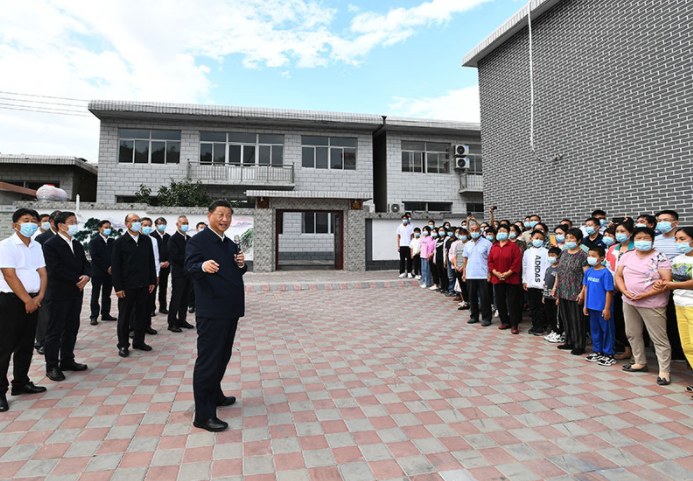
x=504 y=263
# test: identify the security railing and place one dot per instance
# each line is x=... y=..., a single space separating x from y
x=251 y=174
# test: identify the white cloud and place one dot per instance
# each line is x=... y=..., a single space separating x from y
x=160 y=50
x=462 y=105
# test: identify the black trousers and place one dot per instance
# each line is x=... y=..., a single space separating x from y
x=101 y=287
x=573 y=323
x=191 y=301
x=214 y=346
x=133 y=304
x=539 y=322
x=17 y=340
x=551 y=311
x=61 y=334
x=162 y=288
x=619 y=323
x=434 y=273
x=478 y=289
x=416 y=261
x=673 y=331
x=180 y=297
x=509 y=303
x=443 y=280
x=404 y=259
x=41 y=324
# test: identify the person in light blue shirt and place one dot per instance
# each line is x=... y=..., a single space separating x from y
x=475 y=273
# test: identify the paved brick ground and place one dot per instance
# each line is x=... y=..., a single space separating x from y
x=354 y=384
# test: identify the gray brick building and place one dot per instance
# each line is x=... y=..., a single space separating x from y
x=613 y=93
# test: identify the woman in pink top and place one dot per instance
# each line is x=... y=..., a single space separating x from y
x=636 y=275
x=426 y=251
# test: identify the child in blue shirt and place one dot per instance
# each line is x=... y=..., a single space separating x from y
x=598 y=292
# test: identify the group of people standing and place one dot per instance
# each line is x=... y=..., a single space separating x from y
x=617 y=284
x=43 y=273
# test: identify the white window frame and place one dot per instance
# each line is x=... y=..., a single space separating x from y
x=303 y=223
x=424 y=157
x=228 y=143
x=151 y=139
x=329 y=148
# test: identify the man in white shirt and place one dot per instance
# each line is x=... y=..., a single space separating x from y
x=404 y=235
x=23 y=282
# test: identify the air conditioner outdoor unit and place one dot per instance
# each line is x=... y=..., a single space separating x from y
x=461 y=150
x=462 y=163
x=394 y=208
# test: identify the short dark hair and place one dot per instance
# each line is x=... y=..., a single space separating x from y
x=563 y=221
x=427 y=228
x=540 y=232
x=490 y=230
x=199 y=224
x=575 y=232
x=41 y=216
x=431 y=220
x=627 y=224
x=601 y=252
x=102 y=223
x=686 y=230
x=146 y=218
x=646 y=230
x=21 y=212
x=563 y=227
x=672 y=213
x=546 y=228
x=593 y=219
x=597 y=212
x=404 y=216
x=160 y=220
x=650 y=219
x=53 y=214
x=220 y=203
x=611 y=230
x=536 y=215
x=515 y=228
x=408 y=214
x=555 y=250
x=63 y=216
x=416 y=229
x=504 y=227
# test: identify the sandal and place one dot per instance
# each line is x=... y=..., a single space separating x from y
x=629 y=368
x=689 y=388
x=662 y=381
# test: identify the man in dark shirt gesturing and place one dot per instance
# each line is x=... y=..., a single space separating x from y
x=216 y=265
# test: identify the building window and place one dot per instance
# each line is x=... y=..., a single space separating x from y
x=317 y=223
x=334 y=153
x=426 y=157
x=475 y=207
x=35 y=185
x=428 y=206
x=238 y=148
x=143 y=146
x=475 y=160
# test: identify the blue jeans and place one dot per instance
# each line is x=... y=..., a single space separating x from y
x=451 y=278
x=426 y=273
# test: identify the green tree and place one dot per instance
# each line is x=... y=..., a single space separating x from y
x=179 y=194
x=90 y=230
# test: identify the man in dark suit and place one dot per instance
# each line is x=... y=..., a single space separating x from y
x=134 y=278
x=217 y=266
x=43 y=310
x=180 y=282
x=101 y=251
x=68 y=273
x=199 y=227
x=162 y=239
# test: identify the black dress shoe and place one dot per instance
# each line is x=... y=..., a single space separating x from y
x=175 y=329
x=132 y=334
x=108 y=317
x=214 y=425
x=185 y=324
x=55 y=374
x=3 y=403
x=41 y=350
x=226 y=401
x=152 y=314
x=73 y=366
x=141 y=346
x=191 y=310
x=28 y=388
x=150 y=331
x=93 y=321
x=123 y=352
x=163 y=311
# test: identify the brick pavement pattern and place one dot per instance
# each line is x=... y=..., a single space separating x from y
x=357 y=384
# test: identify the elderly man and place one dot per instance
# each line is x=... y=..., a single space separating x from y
x=134 y=278
x=476 y=274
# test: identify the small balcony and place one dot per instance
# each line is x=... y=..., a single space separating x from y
x=277 y=176
x=471 y=183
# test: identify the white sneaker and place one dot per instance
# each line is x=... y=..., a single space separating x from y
x=410 y=276
x=495 y=314
x=423 y=286
x=550 y=336
x=402 y=276
x=417 y=277
x=433 y=288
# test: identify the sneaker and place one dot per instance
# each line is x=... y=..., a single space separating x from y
x=417 y=277
x=550 y=336
x=433 y=288
x=606 y=361
x=594 y=357
x=402 y=275
x=424 y=286
x=410 y=276
x=495 y=313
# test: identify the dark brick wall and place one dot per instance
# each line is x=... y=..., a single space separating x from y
x=613 y=94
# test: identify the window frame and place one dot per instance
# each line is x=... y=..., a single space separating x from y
x=330 y=230
x=150 y=140
x=330 y=148
x=425 y=159
x=243 y=145
x=410 y=208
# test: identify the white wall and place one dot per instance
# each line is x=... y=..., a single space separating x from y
x=293 y=240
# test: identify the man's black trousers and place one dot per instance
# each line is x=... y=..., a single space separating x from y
x=135 y=303
x=101 y=287
x=17 y=331
x=214 y=345
x=180 y=296
x=62 y=329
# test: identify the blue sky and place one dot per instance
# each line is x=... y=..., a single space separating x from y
x=393 y=57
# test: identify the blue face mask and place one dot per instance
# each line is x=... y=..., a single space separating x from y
x=184 y=228
x=512 y=235
x=146 y=230
x=404 y=221
x=553 y=260
x=489 y=238
x=449 y=234
x=664 y=227
x=502 y=236
x=458 y=236
x=425 y=233
x=417 y=235
x=602 y=221
x=476 y=235
x=161 y=227
x=622 y=237
x=608 y=241
x=73 y=230
x=593 y=261
x=463 y=238
x=640 y=225
x=560 y=239
x=684 y=247
x=45 y=226
x=533 y=224
x=643 y=246
x=434 y=234
x=441 y=233
x=28 y=229
x=527 y=225
x=571 y=245
x=537 y=242
x=136 y=226
x=590 y=230
x=107 y=232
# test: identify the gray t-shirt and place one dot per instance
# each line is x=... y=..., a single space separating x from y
x=549 y=281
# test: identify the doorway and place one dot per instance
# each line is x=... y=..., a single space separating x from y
x=309 y=239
